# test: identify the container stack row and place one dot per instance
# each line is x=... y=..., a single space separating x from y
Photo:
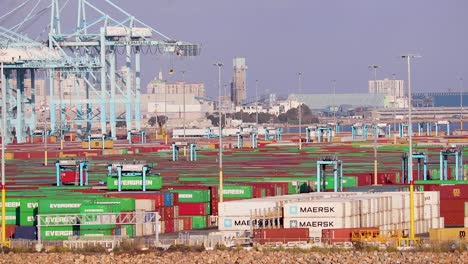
x=385 y=211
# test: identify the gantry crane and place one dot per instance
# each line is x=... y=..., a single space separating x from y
x=87 y=54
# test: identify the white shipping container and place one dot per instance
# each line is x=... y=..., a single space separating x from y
x=427 y=211
x=466 y=209
x=240 y=223
x=441 y=222
x=432 y=198
x=316 y=222
x=145 y=205
x=466 y=221
x=244 y=207
x=321 y=208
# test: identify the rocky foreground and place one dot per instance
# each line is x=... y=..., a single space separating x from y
x=258 y=257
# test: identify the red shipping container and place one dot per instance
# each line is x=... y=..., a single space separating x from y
x=170 y=212
x=72 y=177
x=214 y=206
x=187 y=223
x=168 y=226
x=283 y=235
x=192 y=209
x=340 y=235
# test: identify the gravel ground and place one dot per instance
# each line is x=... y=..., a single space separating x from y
x=239 y=257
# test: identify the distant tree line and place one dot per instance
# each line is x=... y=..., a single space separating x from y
x=290 y=117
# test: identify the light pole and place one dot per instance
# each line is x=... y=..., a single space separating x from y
x=334 y=107
x=299 y=109
x=460 y=83
x=183 y=88
x=394 y=101
x=256 y=102
x=408 y=58
x=3 y=242
x=376 y=131
x=221 y=193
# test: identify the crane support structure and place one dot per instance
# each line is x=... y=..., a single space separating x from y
x=85 y=85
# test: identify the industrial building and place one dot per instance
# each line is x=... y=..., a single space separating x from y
x=175 y=99
x=238 y=84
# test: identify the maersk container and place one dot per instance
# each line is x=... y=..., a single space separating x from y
x=237 y=191
x=242 y=223
x=135 y=183
x=320 y=208
x=245 y=207
x=193 y=196
x=317 y=223
x=57 y=206
x=118 y=204
x=58 y=232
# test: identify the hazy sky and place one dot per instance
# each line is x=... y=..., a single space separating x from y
x=324 y=39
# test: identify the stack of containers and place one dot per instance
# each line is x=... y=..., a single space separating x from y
x=321 y=214
x=11 y=207
x=169 y=212
x=163 y=202
x=318 y=211
x=60 y=206
x=91 y=226
x=28 y=211
x=194 y=207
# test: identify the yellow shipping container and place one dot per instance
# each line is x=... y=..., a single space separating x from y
x=336 y=139
x=9 y=155
x=97 y=144
x=448 y=234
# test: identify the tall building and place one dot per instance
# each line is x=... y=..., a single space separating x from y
x=238 y=89
x=394 y=88
x=171 y=99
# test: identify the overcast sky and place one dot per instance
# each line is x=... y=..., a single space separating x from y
x=324 y=39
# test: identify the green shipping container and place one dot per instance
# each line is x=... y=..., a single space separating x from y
x=96 y=213
x=10 y=217
x=198 y=222
x=95 y=232
x=58 y=232
x=56 y=206
x=440 y=182
x=135 y=183
x=11 y=204
x=347 y=182
x=127 y=230
x=193 y=196
x=118 y=204
x=237 y=191
x=28 y=218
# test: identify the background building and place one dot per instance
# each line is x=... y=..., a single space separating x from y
x=238 y=89
x=170 y=99
x=388 y=87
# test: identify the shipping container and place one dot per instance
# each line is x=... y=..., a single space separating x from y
x=342 y=235
x=281 y=235
x=447 y=234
